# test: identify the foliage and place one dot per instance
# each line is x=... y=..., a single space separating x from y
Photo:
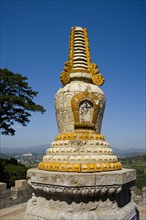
x=140 y=166
x=11 y=170
x=16 y=101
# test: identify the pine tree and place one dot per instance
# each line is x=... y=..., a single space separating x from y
x=16 y=101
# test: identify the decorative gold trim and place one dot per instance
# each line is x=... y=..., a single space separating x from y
x=63 y=167
x=78 y=167
x=87 y=46
x=70 y=136
x=93 y=68
x=79 y=136
x=71 y=45
x=84 y=126
x=80 y=70
x=75 y=102
x=85 y=131
x=64 y=78
x=98 y=79
x=65 y=75
x=101 y=167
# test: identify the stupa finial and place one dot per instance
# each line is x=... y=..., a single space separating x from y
x=79 y=59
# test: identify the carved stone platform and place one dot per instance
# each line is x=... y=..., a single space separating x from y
x=81 y=196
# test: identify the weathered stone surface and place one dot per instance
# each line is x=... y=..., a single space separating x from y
x=20 y=183
x=52 y=209
x=62 y=195
x=3 y=186
x=61 y=178
x=64 y=113
x=119 y=177
x=69 y=179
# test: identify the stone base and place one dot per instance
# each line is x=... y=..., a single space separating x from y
x=80 y=196
x=83 y=210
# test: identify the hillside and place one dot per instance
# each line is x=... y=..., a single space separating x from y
x=3 y=156
x=39 y=149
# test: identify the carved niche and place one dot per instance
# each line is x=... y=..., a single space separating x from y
x=85 y=110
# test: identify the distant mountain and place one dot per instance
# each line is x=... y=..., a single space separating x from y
x=39 y=149
x=129 y=152
x=3 y=156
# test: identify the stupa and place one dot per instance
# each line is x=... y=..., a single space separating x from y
x=79 y=177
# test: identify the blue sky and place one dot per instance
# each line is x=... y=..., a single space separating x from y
x=34 y=42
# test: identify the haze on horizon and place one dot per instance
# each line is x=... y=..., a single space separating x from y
x=34 y=42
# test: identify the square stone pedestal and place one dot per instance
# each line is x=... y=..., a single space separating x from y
x=81 y=196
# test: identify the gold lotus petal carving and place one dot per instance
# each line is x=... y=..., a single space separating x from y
x=79 y=136
x=79 y=167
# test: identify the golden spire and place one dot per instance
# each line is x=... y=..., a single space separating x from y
x=79 y=58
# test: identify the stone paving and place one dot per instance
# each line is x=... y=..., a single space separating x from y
x=13 y=213
x=142 y=212
x=17 y=212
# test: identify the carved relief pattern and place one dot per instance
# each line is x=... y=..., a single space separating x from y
x=96 y=76
x=79 y=136
x=84 y=191
x=98 y=79
x=87 y=99
x=65 y=75
x=93 y=68
x=80 y=167
x=82 y=150
x=102 y=101
x=92 y=143
x=86 y=112
x=107 y=201
x=59 y=119
x=64 y=113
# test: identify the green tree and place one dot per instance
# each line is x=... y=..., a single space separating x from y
x=16 y=101
x=11 y=170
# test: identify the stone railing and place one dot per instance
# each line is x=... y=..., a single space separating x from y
x=20 y=193
x=138 y=197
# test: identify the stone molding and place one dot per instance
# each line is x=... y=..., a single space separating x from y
x=76 y=191
x=70 y=179
x=85 y=184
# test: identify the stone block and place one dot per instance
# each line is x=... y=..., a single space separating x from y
x=67 y=179
x=119 y=177
x=3 y=186
x=20 y=183
x=144 y=192
x=71 y=179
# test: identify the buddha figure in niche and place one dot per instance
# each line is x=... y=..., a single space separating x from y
x=86 y=112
